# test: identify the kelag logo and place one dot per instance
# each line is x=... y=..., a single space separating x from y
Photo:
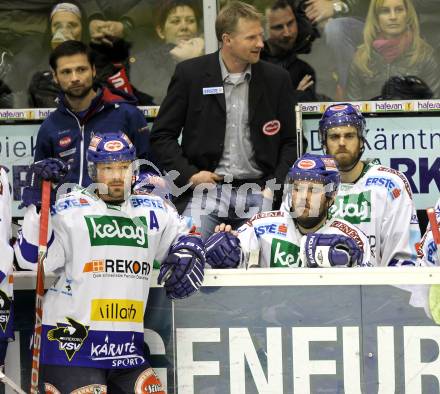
x=354 y=208
x=116 y=230
x=284 y=254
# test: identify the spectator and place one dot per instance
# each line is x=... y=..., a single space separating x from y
x=177 y=25
x=342 y=23
x=111 y=54
x=376 y=198
x=66 y=22
x=392 y=47
x=280 y=48
x=82 y=111
x=235 y=114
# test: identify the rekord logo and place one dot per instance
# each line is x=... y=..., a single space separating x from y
x=70 y=336
x=284 y=254
x=121 y=354
x=354 y=208
x=117 y=231
x=5 y=310
x=124 y=267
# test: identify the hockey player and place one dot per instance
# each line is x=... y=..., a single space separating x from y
x=103 y=246
x=299 y=236
x=375 y=198
x=427 y=250
x=6 y=260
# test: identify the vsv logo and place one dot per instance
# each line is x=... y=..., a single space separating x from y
x=354 y=208
x=284 y=254
x=116 y=230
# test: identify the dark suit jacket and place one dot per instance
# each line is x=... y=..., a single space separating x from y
x=202 y=119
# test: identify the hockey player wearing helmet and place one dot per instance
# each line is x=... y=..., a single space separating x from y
x=375 y=198
x=298 y=235
x=103 y=245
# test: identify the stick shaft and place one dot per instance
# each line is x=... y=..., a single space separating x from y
x=39 y=291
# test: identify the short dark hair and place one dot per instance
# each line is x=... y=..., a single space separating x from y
x=166 y=6
x=70 y=48
x=277 y=4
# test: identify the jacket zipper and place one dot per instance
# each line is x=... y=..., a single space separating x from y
x=81 y=151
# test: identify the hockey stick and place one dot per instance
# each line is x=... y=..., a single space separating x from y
x=4 y=379
x=435 y=230
x=39 y=291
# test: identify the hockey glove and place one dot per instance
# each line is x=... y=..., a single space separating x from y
x=52 y=170
x=223 y=250
x=182 y=272
x=331 y=250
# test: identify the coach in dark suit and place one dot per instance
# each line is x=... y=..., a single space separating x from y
x=236 y=116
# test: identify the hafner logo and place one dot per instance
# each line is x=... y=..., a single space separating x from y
x=284 y=254
x=116 y=230
x=354 y=208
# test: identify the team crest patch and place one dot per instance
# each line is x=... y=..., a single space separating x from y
x=148 y=383
x=306 y=164
x=70 y=336
x=272 y=127
x=5 y=310
x=113 y=146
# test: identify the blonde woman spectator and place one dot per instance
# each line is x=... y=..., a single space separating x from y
x=392 y=47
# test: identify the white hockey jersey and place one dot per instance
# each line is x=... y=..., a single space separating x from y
x=427 y=249
x=380 y=204
x=93 y=316
x=272 y=239
x=6 y=260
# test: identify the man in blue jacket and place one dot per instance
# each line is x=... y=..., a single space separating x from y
x=83 y=111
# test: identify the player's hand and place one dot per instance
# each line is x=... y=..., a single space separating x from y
x=305 y=83
x=182 y=272
x=319 y=10
x=207 y=177
x=331 y=250
x=53 y=170
x=223 y=227
x=223 y=250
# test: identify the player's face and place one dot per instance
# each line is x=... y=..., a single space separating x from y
x=180 y=25
x=68 y=24
x=116 y=176
x=308 y=201
x=282 y=26
x=344 y=144
x=74 y=74
x=392 y=16
x=246 y=42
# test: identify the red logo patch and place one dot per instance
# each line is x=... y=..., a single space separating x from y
x=338 y=107
x=395 y=192
x=272 y=127
x=148 y=383
x=306 y=164
x=113 y=146
x=65 y=141
x=282 y=228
